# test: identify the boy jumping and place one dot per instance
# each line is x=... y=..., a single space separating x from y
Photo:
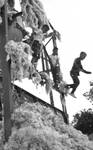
x=74 y=73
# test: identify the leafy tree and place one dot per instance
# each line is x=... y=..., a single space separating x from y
x=89 y=94
x=83 y=121
x=37 y=127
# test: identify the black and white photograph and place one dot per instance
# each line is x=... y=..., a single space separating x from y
x=46 y=75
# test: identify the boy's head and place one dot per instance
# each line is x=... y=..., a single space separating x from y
x=45 y=28
x=82 y=55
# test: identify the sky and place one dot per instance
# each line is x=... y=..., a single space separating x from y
x=73 y=19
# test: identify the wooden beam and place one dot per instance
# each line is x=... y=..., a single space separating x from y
x=42 y=58
x=46 y=61
x=6 y=75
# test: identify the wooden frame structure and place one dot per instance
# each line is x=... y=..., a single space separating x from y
x=46 y=65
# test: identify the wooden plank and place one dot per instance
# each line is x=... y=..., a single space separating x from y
x=42 y=58
x=46 y=61
x=6 y=75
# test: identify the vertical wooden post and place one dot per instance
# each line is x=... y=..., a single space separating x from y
x=63 y=102
x=46 y=61
x=51 y=99
x=47 y=69
x=6 y=75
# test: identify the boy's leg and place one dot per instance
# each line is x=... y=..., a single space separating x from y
x=75 y=84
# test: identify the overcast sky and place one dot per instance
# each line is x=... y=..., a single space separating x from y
x=74 y=20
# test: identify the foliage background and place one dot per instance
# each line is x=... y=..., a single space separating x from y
x=37 y=127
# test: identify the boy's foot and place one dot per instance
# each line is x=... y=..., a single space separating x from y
x=73 y=95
